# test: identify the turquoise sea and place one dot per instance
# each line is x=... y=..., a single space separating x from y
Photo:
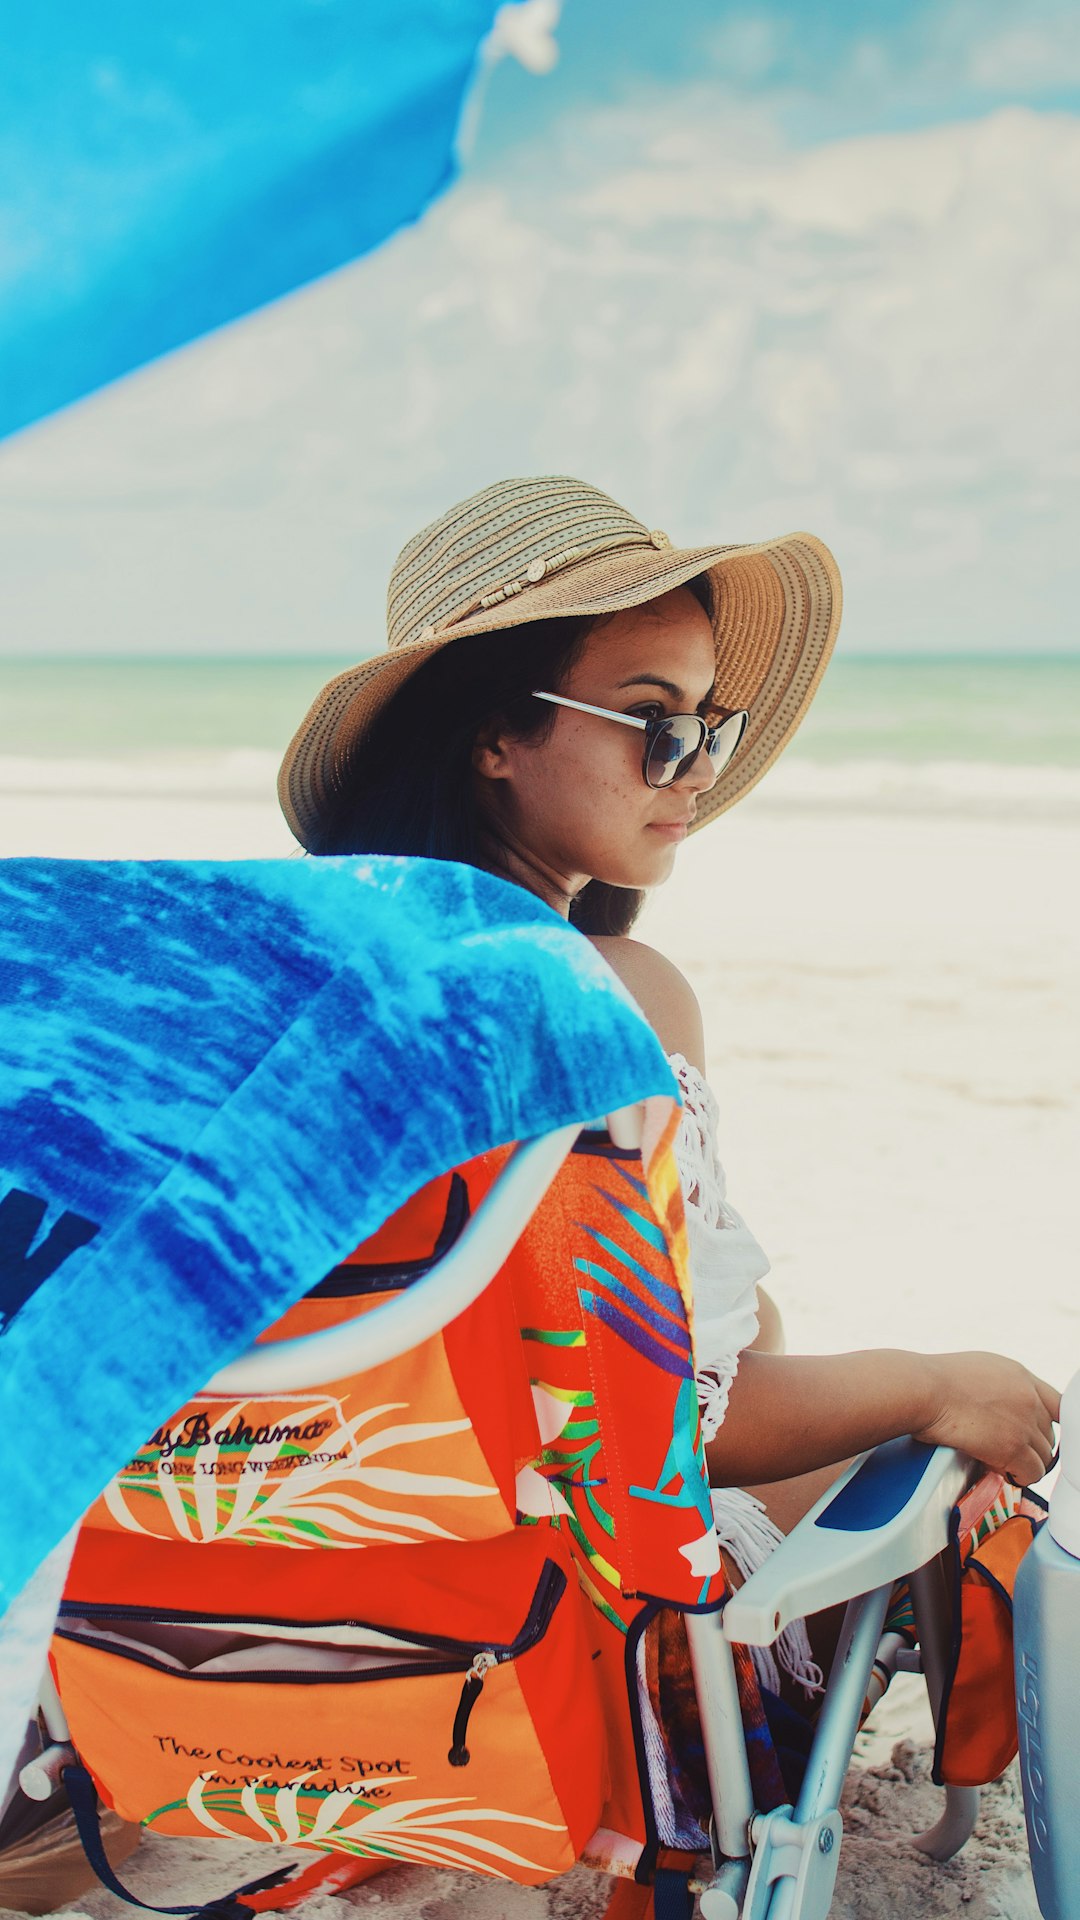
x=1020 y=712
x=954 y=731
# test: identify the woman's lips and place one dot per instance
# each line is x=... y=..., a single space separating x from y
x=671 y=829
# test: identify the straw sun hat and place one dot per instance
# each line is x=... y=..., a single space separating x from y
x=533 y=549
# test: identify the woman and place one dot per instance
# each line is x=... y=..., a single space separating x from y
x=564 y=698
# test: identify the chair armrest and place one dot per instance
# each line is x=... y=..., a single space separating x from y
x=886 y=1516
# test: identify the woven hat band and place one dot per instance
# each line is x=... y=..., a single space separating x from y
x=535 y=574
x=500 y=544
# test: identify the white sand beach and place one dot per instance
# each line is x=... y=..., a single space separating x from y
x=890 y=993
x=888 y=1798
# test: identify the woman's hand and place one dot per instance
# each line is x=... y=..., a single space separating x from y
x=995 y=1410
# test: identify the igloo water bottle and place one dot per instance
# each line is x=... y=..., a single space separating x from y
x=1046 y=1639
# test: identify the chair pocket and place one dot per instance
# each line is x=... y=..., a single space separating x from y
x=977 y=1732
x=347 y=1736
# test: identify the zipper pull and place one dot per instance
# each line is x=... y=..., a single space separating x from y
x=458 y=1755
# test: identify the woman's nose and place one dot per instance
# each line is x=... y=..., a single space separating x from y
x=701 y=774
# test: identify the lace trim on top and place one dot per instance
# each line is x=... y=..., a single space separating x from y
x=726 y=1264
x=726 y=1261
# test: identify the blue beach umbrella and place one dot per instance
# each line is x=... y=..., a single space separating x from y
x=167 y=167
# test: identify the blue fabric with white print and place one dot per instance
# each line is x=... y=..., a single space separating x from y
x=200 y=1066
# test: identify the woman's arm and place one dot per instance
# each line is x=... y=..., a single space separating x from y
x=790 y=1413
x=770 y=1336
x=664 y=995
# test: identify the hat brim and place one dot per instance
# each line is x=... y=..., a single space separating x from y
x=777 y=611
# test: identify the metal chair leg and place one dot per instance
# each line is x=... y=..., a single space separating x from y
x=797 y=1850
x=722 y=1734
x=838 y=1721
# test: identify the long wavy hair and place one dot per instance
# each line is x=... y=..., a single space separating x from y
x=414 y=789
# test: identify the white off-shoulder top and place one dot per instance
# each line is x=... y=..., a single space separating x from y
x=726 y=1261
x=726 y=1265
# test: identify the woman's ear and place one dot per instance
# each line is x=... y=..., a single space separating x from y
x=489 y=756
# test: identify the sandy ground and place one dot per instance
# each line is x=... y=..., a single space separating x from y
x=888 y=1798
x=891 y=1006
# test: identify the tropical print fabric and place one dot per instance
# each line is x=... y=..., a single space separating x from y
x=601 y=1287
x=603 y=1294
x=556 y=1418
x=420 y=1449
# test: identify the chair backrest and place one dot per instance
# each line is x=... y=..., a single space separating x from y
x=540 y=1444
x=452 y=1280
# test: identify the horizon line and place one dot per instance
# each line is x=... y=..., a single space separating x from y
x=890 y=657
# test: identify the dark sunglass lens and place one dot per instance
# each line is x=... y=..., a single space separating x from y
x=725 y=740
x=675 y=747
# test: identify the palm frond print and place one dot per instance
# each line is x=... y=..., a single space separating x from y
x=625 y=1291
x=432 y=1831
x=625 y=1282
x=282 y=1497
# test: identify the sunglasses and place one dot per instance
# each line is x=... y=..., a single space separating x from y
x=672 y=741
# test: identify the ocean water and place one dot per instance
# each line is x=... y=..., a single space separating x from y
x=971 y=734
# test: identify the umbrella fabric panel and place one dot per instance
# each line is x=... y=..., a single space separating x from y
x=169 y=168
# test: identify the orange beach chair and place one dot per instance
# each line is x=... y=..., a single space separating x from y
x=379 y=1591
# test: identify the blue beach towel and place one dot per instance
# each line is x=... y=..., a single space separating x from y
x=200 y=1065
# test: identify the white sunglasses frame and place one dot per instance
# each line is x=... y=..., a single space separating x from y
x=646 y=726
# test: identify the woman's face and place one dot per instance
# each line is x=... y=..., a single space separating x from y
x=575 y=807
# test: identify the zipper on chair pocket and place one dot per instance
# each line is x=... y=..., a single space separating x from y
x=103 y=1627
x=458 y=1755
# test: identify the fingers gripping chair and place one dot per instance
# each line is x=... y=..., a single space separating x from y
x=575 y=1310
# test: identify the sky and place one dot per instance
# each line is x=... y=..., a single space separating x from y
x=748 y=269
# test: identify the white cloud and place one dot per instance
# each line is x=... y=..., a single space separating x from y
x=945 y=56
x=746 y=47
x=873 y=338
x=1000 y=48
x=845 y=187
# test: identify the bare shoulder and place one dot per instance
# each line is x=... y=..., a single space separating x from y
x=664 y=995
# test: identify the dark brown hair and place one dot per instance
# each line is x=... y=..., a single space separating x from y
x=413 y=789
